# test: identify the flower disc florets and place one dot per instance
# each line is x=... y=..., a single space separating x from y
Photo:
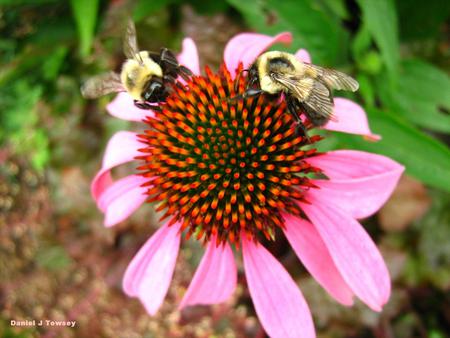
x=220 y=165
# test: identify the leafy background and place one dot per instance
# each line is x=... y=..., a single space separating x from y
x=58 y=262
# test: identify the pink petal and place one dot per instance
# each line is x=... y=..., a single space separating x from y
x=123 y=108
x=353 y=251
x=149 y=274
x=280 y=305
x=122 y=147
x=360 y=183
x=215 y=278
x=361 y=197
x=189 y=56
x=303 y=55
x=310 y=248
x=350 y=118
x=353 y=164
x=246 y=47
x=119 y=200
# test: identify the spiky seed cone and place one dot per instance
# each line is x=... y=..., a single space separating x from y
x=222 y=166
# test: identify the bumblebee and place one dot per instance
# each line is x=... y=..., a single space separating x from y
x=307 y=88
x=146 y=76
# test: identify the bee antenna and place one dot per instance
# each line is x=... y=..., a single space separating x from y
x=236 y=83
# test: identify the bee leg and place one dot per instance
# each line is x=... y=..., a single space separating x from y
x=141 y=105
x=238 y=79
x=146 y=106
x=167 y=56
x=301 y=131
x=300 y=128
x=169 y=78
x=185 y=71
x=155 y=107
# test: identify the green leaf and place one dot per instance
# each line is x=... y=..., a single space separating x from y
x=85 y=15
x=381 y=19
x=361 y=42
x=144 y=8
x=322 y=34
x=366 y=90
x=336 y=7
x=26 y=2
x=422 y=19
x=424 y=157
x=370 y=63
x=41 y=150
x=420 y=92
x=52 y=65
x=209 y=7
x=17 y=105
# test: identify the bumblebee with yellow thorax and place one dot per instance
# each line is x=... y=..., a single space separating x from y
x=307 y=88
x=146 y=76
x=135 y=75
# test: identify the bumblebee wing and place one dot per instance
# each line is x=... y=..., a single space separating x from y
x=332 y=78
x=101 y=85
x=296 y=85
x=313 y=95
x=319 y=104
x=130 y=46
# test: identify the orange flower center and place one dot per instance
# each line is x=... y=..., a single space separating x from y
x=222 y=166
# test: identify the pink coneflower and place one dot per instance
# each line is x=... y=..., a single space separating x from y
x=230 y=173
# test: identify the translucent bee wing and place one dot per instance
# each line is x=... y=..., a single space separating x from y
x=130 y=46
x=298 y=86
x=313 y=96
x=101 y=85
x=319 y=104
x=332 y=78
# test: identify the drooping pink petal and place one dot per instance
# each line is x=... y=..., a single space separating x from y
x=353 y=251
x=311 y=250
x=350 y=118
x=189 y=56
x=215 y=278
x=280 y=305
x=122 y=147
x=303 y=55
x=360 y=182
x=123 y=108
x=119 y=200
x=246 y=47
x=353 y=164
x=360 y=197
x=149 y=274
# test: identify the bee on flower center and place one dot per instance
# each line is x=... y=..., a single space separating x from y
x=307 y=88
x=146 y=76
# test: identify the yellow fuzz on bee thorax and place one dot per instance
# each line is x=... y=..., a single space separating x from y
x=266 y=83
x=137 y=72
x=270 y=86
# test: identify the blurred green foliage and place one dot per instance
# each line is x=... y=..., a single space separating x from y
x=396 y=49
